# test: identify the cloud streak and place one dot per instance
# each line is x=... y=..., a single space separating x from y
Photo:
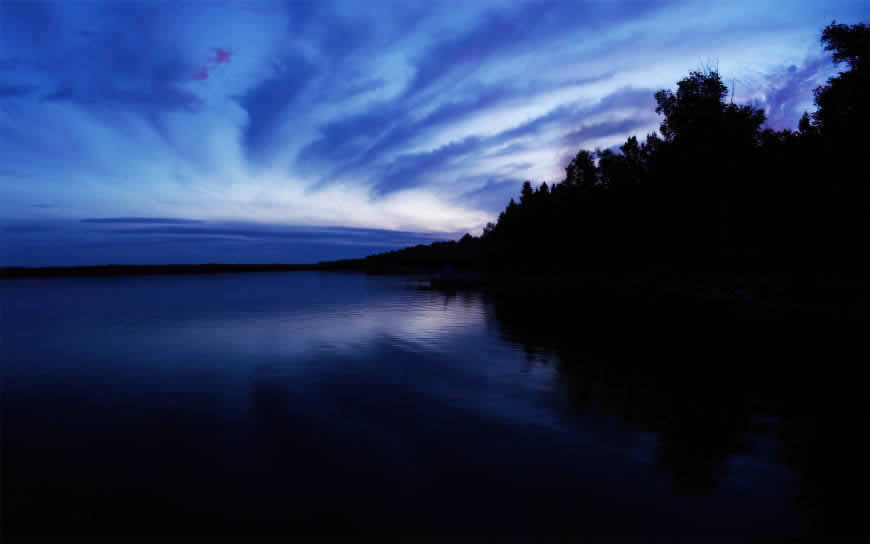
x=14 y=91
x=186 y=241
x=787 y=93
x=140 y=220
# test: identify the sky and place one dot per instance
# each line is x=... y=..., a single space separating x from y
x=297 y=130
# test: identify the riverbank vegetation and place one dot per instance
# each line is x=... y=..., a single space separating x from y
x=712 y=203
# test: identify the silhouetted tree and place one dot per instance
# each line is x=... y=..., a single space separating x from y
x=582 y=171
x=713 y=200
x=693 y=110
x=842 y=103
x=526 y=193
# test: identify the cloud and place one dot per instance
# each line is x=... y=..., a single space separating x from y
x=7 y=65
x=788 y=92
x=254 y=232
x=71 y=243
x=267 y=101
x=139 y=220
x=210 y=232
x=493 y=194
x=580 y=138
x=221 y=55
x=28 y=228
x=263 y=8
x=35 y=21
x=410 y=170
x=160 y=98
x=484 y=99
x=15 y=91
x=59 y=94
x=499 y=34
x=130 y=62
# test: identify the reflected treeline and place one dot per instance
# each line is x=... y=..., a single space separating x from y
x=705 y=382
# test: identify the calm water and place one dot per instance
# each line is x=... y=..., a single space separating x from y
x=331 y=401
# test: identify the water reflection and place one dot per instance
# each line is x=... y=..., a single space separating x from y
x=419 y=318
x=731 y=402
x=311 y=401
x=667 y=389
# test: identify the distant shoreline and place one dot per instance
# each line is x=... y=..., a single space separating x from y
x=769 y=306
x=161 y=269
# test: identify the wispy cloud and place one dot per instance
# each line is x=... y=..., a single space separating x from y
x=787 y=92
x=140 y=220
x=179 y=240
x=15 y=91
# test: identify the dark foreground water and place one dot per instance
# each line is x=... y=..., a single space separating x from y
x=330 y=401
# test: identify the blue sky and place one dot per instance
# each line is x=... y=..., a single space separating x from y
x=408 y=117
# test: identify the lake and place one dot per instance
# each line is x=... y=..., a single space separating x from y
x=341 y=401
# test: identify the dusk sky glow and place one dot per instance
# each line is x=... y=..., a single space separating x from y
x=300 y=118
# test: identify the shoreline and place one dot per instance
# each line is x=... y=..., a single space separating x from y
x=767 y=306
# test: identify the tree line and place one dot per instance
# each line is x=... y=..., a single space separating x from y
x=713 y=198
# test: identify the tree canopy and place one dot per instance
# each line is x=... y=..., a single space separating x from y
x=715 y=197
